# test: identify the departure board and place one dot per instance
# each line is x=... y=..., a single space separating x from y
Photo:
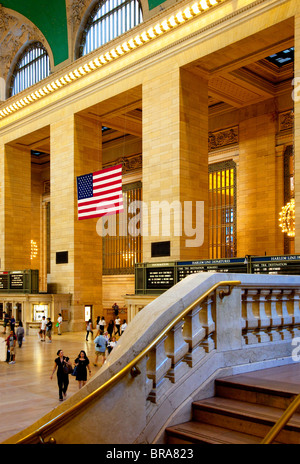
x=160 y=278
x=3 y=280
x=19 y=281
x=185 y=268
x=16 y=280
x=288 y=264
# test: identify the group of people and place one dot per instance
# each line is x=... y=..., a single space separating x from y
x=114 y=326
x=46 y=329
x=104 y=341
x=64 y=368
x=81 y=364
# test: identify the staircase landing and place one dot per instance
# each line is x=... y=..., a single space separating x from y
x=243 y=410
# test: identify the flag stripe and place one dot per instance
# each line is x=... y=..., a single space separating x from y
x=99 y=204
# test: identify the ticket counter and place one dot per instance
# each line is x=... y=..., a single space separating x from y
x=31 y=308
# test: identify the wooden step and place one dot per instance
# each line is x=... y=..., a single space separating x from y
x=250 y=418
x=200 y=433
x=244 y=410
x=262 y=392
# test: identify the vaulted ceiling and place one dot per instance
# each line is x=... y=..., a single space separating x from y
x=54 y=19
x=250 y=71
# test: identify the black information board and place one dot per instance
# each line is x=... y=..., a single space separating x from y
x=184 y=268
x=160 y=278
x=16 y=280
x=155 y=278
x=19 y=281
x=289 y=264
x=3 y=280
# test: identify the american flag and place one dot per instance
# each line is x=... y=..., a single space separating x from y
x=100 y=193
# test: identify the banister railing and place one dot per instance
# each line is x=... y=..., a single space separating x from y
x=49 y=427
x=282 y=421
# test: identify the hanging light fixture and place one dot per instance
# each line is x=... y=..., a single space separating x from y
x=287 y=218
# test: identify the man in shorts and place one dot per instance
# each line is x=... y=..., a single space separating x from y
x=100 y=348
x=43 y=329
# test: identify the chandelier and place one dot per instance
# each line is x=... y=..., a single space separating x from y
x=287 y=218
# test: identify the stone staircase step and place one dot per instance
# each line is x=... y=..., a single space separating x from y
x=200 y=433
x=267 y=393
x=250 y=418
x=244 y=410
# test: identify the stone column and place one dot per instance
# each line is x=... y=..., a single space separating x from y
x=175 y=164
x=75 y=150
x=15 y=208
x=257 y=213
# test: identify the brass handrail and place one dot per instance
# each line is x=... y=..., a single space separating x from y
x=73 y=410
x=281 y=422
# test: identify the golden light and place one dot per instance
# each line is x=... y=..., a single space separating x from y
x=34 y=249
x=287 y=218
x=147 y=35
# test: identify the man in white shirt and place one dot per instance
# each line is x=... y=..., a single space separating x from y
x=43 y=329
x=59 y=322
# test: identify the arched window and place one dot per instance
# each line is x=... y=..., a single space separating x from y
x=32 y=67
x=109 y=19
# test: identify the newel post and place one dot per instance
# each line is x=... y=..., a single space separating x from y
x=228 y=319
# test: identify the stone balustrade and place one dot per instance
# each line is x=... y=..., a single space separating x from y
x=234 y=329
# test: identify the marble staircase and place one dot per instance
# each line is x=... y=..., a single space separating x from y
x=242 y=411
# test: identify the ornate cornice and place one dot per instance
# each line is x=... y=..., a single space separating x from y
x=15 y=31
x=286 y=121
x=223 y=138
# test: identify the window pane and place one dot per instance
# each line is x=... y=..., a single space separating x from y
x=108 y=21
x=222 y=210
x=121 y=247
x=32 y=67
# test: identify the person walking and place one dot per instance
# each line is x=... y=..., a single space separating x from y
x=20 y=334
x=12 y=323
x=5 y=322
x=110 y=328
x=111 y=344
x=11 y=343
x=123 y=326
x=100 y=348
x=49 y=329
x=82 y=362
x=102 y=324
x=43 y=329
x=97 y=323
x=117 y=326
x=62 y=377
x=59 y=323
x=89 y=329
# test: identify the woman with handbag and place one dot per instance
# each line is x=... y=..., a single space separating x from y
x=64 y=368
x=82 y=363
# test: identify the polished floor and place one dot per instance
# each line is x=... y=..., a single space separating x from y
x=27 y=393
x=26 y=390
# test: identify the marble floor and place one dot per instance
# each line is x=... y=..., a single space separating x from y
x=26 y=390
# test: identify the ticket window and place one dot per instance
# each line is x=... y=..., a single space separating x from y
x=40 y=310
x=88 y=309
